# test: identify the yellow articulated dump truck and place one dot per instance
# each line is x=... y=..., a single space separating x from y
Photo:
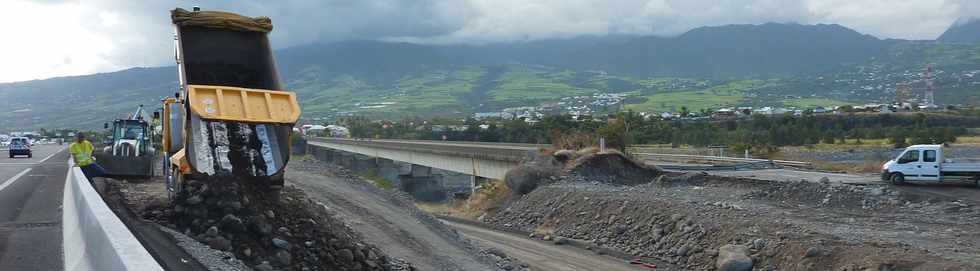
x=227 y=131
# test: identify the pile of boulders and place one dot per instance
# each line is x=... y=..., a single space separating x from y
x=292 y=233
x=611 y=167
x=826 y=194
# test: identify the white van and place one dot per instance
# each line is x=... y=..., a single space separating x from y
x=927 y=163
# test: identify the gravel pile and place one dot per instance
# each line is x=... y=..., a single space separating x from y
x=825 y=194
x=294 y=233
x=608 y=167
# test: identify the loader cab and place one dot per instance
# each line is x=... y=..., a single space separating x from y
x=129 y=137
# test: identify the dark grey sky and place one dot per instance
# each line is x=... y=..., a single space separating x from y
x=70 y=37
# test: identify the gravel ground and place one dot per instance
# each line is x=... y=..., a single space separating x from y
x=390 y=218
x=214 y=260
x=690 y=220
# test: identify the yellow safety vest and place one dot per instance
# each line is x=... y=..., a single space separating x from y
x=82 y=152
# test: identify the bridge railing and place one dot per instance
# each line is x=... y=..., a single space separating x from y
x=719 y=159
x=452 y=148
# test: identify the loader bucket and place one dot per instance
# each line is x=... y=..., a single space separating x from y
x=126 y=166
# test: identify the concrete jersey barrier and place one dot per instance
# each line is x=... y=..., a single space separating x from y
x=94 y=238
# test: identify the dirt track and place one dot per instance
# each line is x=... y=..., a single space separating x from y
x=384 y=221
x=540 y=255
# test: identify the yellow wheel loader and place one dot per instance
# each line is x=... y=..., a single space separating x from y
x=228 y=128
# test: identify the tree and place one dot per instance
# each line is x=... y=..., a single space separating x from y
x=898 y=140
x=615 y=134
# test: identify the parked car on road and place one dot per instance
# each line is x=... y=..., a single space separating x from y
x=20 y=146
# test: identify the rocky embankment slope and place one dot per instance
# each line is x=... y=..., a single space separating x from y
x=704 y=222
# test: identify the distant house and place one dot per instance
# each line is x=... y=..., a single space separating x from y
x=338 y=131
x=488 y=115
x=743 y=110
x=820 y=110
x=763 y=111
x=768 y=110
x=886 y=109
x=312 y=129
x=724 y=113
x=867 y=108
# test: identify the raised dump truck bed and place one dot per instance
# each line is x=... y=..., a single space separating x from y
x=234 y=115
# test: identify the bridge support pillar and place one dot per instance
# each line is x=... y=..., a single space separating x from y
x=476 y=181
x=421 y=171
x=364 y=164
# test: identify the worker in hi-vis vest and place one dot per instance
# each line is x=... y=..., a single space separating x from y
x=81 y=153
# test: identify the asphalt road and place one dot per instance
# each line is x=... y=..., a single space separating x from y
x=541 y=255
x=30 y=209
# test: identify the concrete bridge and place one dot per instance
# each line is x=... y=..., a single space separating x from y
x=485 y=160
x=428 y=170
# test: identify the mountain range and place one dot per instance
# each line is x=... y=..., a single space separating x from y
x=394 y=80
x=963 y=30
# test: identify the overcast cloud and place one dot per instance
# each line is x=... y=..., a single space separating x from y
x=46 y=38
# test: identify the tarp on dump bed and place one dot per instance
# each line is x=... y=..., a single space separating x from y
x=220 y=20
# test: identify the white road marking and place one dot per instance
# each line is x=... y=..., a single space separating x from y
x=49 y=156
x=14 y=178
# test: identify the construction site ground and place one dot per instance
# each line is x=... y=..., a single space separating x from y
x=787 y=225
x=387 y=220
x=787 y=221
x=390 y=219
x=542 y=255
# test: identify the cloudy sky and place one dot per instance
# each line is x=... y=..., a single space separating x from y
x=47 y=38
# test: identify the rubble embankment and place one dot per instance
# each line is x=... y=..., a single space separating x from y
x=704 y=222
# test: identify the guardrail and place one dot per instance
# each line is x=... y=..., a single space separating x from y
x=720 y=159
x=737 y=166
x=94 y=238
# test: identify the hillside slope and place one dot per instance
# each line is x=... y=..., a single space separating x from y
x=963 y=30
x=82 y=101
